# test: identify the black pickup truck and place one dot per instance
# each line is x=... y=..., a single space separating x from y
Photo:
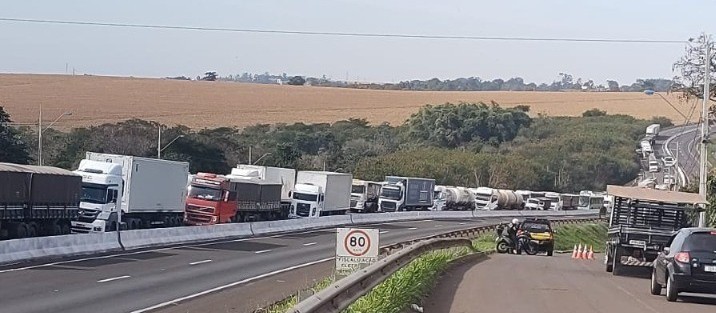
x=642 y=222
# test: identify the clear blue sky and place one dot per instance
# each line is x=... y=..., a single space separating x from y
x=45 y=48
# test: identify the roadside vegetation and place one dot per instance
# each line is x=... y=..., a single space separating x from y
x=594 y=235
x=466 y=144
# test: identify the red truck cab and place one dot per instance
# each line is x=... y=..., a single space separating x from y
x=210 y=200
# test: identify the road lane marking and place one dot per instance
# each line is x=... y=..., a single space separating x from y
x=262 y=251
x=247 y=280
x=412 y=228
x=461 y=223
x=382 y=232
x=106 y=280
x=309 y=244
x=200 y=262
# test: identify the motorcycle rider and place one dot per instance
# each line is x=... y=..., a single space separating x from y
x=512 y=231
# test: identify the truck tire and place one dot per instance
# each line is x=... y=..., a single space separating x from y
x=19 y=231
x=617 y=267
x=609 y=266
x=32 y=230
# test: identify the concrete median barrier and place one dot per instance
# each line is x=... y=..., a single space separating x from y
x=133 y=239
x=56 y=246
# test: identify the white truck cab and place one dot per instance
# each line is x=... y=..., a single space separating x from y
x=307 y=200
x=102 y=187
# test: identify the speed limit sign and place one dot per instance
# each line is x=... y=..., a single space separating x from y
x=355 y=248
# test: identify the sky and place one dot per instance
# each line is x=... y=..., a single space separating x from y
x=98 y=50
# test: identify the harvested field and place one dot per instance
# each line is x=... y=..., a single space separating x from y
x=95 y=100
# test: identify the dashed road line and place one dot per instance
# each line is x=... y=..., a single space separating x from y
x=262 y=251
x=309 y=244
x=106 y=280
x=200 y=262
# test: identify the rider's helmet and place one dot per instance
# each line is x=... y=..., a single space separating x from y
x=515 y=221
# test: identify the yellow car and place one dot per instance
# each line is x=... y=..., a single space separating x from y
x=541 y=235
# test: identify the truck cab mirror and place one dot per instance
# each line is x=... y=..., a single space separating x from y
x=667 y=250
x=226 y=196
x=320 y=198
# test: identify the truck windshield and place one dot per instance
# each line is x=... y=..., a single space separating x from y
x=305 y=197
x=205 y=193
x=358 y=189
x=483 y=196
x=93 y=193
x=584 y=201
x=391 y=193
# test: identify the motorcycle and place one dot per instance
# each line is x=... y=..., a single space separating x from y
x=525 y=243
x=503 y=242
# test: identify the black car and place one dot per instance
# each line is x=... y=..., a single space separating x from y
x=687 y=264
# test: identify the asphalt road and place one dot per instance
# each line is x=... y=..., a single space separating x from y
x=135 y=282
x=686 y=139
x=541 y=284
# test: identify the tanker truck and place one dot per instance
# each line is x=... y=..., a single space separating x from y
x=448 y=198
x=498 y=199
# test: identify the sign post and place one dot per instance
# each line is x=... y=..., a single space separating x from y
x=355 y=249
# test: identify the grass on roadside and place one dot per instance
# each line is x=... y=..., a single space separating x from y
x=284 y=305
x=590 y=234
x=408 y=285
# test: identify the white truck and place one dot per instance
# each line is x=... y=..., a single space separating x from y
x=149 y=192
x=653 y=130
x=449 y=198
x=364 y=196
x=285 y=176
x=406 y=194
x=319 y=193
x=498 y=199
x=555 y=201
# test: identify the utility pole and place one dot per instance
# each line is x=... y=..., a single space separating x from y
x=159 y=143
x=39 y=137
x=250 y=156
x=705 y=129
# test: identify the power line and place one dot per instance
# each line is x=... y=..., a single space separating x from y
x=343 y=34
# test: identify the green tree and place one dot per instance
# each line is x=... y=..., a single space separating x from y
x=14 y=149
x=594 y=112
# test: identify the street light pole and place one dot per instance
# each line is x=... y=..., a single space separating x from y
x=159 y=143
x=40 y=131
x=704 y=130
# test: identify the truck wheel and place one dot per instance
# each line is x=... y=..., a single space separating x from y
x=32 y=230
x=20 y=231
x=608 y=260
x=617 y=267
x=550 y=252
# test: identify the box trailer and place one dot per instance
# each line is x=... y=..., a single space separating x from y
x=407 y=194
x=37 y=200
x=320 y=193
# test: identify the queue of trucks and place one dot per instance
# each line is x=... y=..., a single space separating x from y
x=108 y=192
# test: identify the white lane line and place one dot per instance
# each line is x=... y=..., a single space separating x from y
x=382 y=232
x=200 y=262
x=309 y=244
x=461 y=223
x=240 y=240
x=262 y=251
x=106 y=280
x=412 y=228
x=247 y=280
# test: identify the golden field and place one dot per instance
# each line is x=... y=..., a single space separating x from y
x=96 y=100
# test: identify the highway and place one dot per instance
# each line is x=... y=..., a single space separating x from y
x=139 y=281
x=686 y=138
x=541 y=284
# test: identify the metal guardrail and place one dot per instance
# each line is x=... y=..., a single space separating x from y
x=343 y=293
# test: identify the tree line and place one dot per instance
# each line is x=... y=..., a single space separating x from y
x=467 y=144
x=566 y=82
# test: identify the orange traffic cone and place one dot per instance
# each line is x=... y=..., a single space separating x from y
x=579 y=252
x=590 y=255
x=574 y=252
x=585 y=253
